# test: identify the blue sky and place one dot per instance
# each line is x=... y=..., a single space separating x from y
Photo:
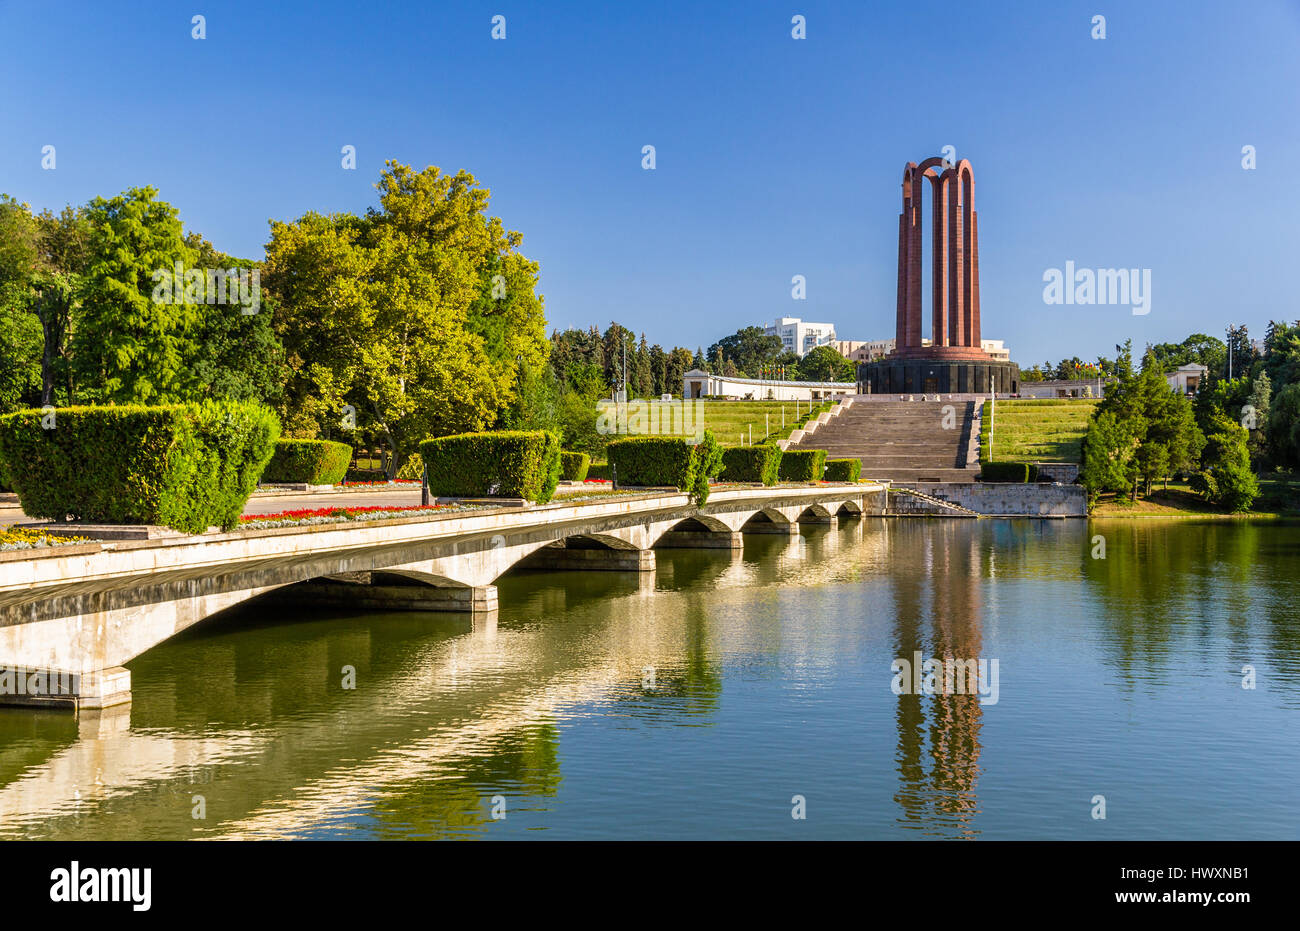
x=775 y=157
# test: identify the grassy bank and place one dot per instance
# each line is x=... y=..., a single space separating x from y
x=1279 y=496
x=1049 y=430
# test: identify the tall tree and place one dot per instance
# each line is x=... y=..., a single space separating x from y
x=128 y=347
x=418 y=315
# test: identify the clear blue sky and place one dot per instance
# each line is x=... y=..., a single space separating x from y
x=775 y=157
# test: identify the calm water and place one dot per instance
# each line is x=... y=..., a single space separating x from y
x=1119 y=677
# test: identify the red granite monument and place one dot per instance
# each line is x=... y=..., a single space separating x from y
x=954 y=362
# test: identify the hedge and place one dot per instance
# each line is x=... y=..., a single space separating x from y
x=185 y=466
x=505 y=463
x=751 y=463
x=802 y=465
x=843 y=470
x=1017 y=472
x=316 y=462
x=599 y=470
x=574 y=466
x=671 y=461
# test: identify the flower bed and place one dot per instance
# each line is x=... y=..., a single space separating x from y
x=19 y=538
x=396 y=481
x=310 y=516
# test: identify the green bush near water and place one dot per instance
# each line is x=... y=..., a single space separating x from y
x=667 y=462
x=185 y=466
x=1014 y=472
x=507 y=463
x=574 y=466
x=843 y=470
x=316 y=462
x=802 y=465
x=751 y=463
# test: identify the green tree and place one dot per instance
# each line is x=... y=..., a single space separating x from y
x=1284 y=426
x=418 y=315
x=128 y=347
x=748 y=349
x=1225 y=478
x=823 y=363
x=1109 y=450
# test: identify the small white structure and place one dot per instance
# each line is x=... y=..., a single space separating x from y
x=698 y=383
x=1065 y=388
x=799 y=336
x=1187 y=379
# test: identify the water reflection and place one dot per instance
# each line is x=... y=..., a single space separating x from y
x=695 y=701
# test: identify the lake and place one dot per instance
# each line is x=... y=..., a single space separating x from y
x=724 y=692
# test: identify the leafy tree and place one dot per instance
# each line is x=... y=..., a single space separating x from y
x=402 y=314
x=1109 y=450
x=237 y=355
x=1172 y=442
x=823 y=363
x=1284 y=426
x=127 y=347
x=749 y=348
x=1255 y=417
x=1225 y=478
x=1282 y=353
x=1141 y=432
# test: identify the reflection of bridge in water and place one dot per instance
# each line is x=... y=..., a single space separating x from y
x=90 y=609
x=451 y=709
x=134 y=767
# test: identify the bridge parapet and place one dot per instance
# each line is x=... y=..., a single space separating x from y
x=93 y=608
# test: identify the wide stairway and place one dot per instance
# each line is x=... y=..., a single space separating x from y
x=901 y=441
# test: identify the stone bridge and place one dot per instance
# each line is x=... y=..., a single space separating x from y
x=84 y=610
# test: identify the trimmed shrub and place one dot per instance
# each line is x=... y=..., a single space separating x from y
x=185 y=466
x=1015 y=472
x=843 y=470
x=751 y=463
x=316 y=462
x=574 y=466
x=599 y=470
x=505 y=463
x=667 y=461
x=802 y=465
x=4 y=482
x=652 y=460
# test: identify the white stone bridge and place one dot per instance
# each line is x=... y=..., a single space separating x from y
x=87 y=609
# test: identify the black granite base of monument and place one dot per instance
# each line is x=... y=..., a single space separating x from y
x=939 y=376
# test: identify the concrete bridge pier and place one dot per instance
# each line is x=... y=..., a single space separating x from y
x=384 y=591
x=583 y=554
x=701 y=532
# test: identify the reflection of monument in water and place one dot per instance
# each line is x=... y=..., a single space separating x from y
x=938 y=735
x=954 y=362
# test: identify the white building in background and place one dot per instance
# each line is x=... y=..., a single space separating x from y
x=698 y=383
x=996 y=349
x=800 y=336
x=1187 y=378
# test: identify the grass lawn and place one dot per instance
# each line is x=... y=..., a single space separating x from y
x=1049 y=430
x=732 y=420
x=1279 y=494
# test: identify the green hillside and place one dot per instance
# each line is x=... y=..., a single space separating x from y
x=1036 y=431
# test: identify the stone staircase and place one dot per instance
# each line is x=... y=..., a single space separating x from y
x=903 y=441
x=911 y=501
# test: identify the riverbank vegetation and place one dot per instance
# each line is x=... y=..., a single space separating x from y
x=1232 y=449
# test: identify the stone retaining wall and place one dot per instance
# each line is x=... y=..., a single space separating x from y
x=999 y=499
